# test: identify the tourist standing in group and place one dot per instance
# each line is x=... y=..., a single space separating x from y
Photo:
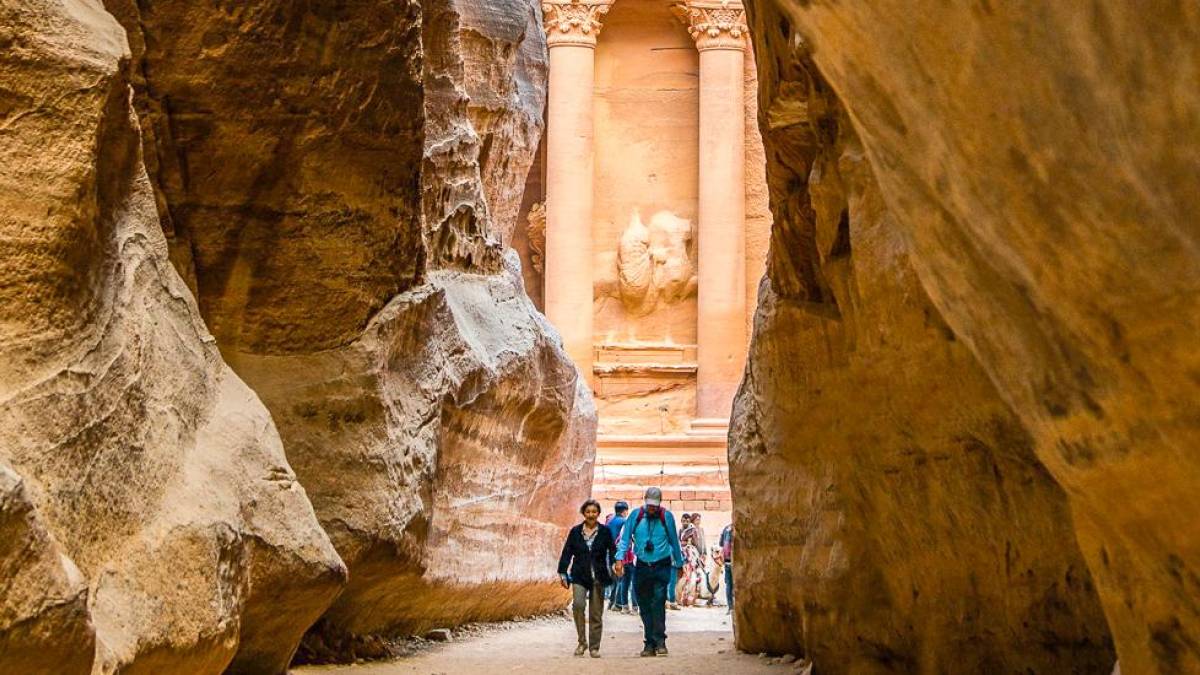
x=584 y=568
x=726 y=544
x=619 y=591
x=650 y=532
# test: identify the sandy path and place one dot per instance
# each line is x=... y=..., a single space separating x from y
x=695 y=636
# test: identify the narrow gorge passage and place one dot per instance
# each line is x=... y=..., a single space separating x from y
x=321 y=320
x=701 y=643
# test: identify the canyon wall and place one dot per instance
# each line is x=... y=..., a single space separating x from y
x=151 y=519
x=344 y=174
x=328 y=190
x=889 y=505
x=1024 y=201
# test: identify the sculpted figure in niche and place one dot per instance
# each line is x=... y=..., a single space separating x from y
x=654 y=264
x=535 y=233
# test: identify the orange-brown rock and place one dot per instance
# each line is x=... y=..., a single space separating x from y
x=1038 y=163
x=151 y=522
x=337 y=172
x=889 y=505
x=504 y=76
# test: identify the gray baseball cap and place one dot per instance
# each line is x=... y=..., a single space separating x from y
x=653 y=497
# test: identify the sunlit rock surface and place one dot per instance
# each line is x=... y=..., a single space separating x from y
x=44 y=622
x=339 y=175
x=151 y=522
x=1038 y=164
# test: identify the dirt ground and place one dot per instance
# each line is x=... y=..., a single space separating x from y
x=700 y=640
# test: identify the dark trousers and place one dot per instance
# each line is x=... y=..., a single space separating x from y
x=650 y=586
x=626 y=595
x=729 y=584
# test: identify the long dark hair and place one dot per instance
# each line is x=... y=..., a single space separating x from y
x=591 y=502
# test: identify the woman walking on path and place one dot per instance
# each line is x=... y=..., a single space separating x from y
x=584 y=568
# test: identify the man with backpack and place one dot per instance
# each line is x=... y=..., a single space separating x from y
x=650 y=534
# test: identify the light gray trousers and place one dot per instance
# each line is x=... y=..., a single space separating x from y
x=589 y=626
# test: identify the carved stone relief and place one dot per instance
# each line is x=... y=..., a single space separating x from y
x=535 y=233
x=654 y=265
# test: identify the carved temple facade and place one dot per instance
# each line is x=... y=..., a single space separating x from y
x=647 y=232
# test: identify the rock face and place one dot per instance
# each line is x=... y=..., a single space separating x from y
x=1036 y=169
x=329 y=190
x=150 y=519
x=44 y=622
x=504 y=77
x=340 y=174
x=889 y=504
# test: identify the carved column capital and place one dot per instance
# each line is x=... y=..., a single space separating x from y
x=715 y=24
x=573 y=22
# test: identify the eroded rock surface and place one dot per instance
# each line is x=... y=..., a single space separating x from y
x=1038 y=163
x=44 y=622
x=890 y=506
x=341 y=173
x=324 y=192
x=505 y=77
x=146 y=491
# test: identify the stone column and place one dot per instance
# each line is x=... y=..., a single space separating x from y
x=719 y=29
x=571 y=30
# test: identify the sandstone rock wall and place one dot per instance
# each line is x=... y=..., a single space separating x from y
x=151 y=520
x=890 y=507
x=346 y=171
x=1039 y=164
x=44 y=621
x=325 y=193
x=505 y=77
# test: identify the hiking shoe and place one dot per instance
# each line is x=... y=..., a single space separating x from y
x=661 y=651
x=579 y=651
x=595 y=653
x=648 y=651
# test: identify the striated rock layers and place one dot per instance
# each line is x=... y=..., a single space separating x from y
x=889 y=504
x=1029 y=215
x=149 y=521
x=329 y=202
x=337 y=205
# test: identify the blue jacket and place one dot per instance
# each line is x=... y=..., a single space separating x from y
x=666 y=539
x=614 y=526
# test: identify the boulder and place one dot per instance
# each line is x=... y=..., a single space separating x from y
x=139 y=467
x=1039 y=161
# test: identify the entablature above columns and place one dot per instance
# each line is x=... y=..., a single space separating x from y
x=573 y=22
